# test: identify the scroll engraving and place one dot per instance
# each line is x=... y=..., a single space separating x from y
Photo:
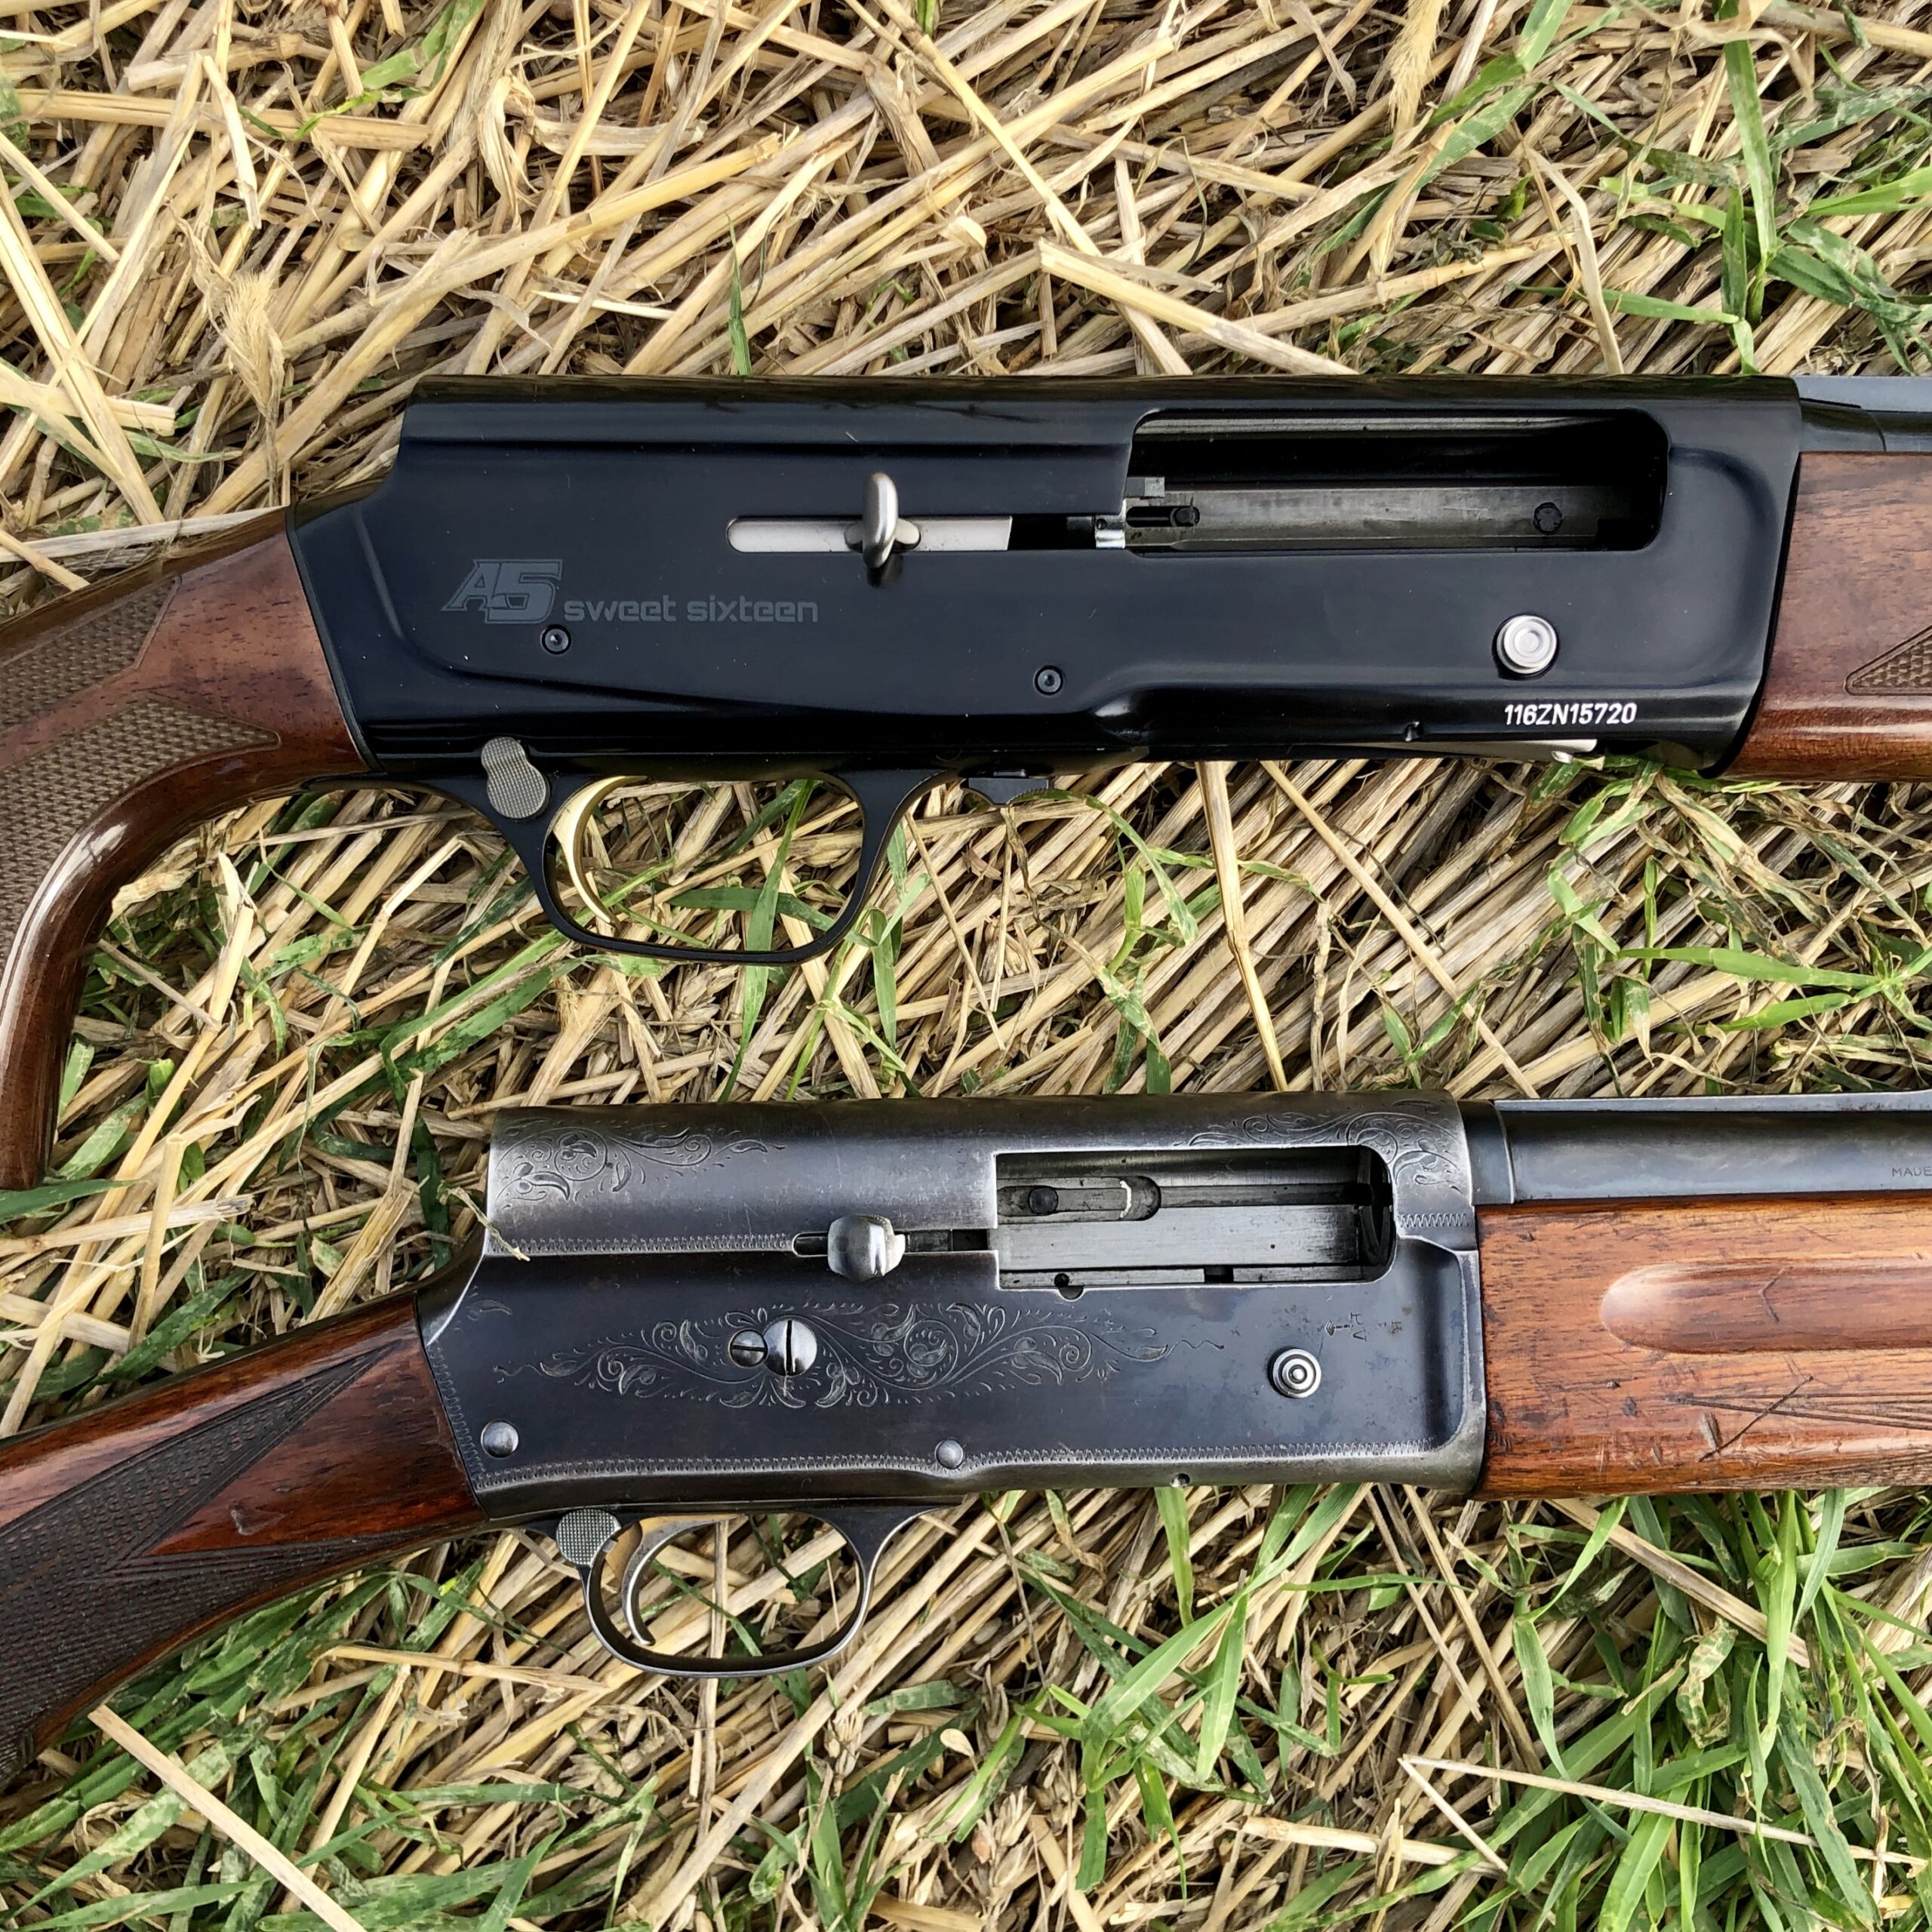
x=568 y=1162
x=1419 y=1148
x=871 y=1355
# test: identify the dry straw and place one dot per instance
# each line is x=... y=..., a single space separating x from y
x=237 y=236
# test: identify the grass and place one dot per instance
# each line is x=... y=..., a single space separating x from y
x=1213 y=1711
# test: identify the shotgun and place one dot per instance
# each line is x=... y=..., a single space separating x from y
x=816 y=1322
x=693 y=647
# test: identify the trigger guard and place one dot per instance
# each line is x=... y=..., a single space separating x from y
x=884 y=797
x=866 y=1529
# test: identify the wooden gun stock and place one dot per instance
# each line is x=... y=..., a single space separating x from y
x=140 y=1524
x=1741 y=1343
x=1848 y=693
x=128 y=713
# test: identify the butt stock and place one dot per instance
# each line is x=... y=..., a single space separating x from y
x=138 y=1525
x=1639 y=1347
x=128 y=714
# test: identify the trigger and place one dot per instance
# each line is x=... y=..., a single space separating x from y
x=516 y=788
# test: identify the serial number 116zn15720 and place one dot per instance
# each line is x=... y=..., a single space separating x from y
x=1570 y=711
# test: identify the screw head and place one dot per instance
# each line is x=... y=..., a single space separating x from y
x=1295 y=1372
x=1043 y=1200
x=1548 y=519
x=1526 y=646
x=498 y=1438
x=1048 y=679
x=950 y=1455
x=746 y=1348
x=790 y=1346
x=556 y=639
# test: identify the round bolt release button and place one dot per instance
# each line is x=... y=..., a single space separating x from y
x=1526 y=646
x=1295 y=1372
x=790 y=1346
x=498 y=1439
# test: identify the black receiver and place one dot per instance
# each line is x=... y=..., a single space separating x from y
x=583 y=605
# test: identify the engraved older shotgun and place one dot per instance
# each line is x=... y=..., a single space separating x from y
x=582 y=606
x=821 y=1321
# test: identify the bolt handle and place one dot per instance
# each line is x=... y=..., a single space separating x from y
x=881 y=532
x=863 y=1248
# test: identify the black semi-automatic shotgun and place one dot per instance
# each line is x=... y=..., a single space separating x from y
x=823 y=1321
x=692 y=646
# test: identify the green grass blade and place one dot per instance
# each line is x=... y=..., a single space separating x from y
x=1217 y=1706
x=1740 y=72
x=1538 y=1685
x=1172 y=1503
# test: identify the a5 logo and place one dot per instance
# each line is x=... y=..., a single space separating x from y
x=510 y=590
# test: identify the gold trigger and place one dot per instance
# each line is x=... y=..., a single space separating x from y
x=684 y=865
x=567 y=828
